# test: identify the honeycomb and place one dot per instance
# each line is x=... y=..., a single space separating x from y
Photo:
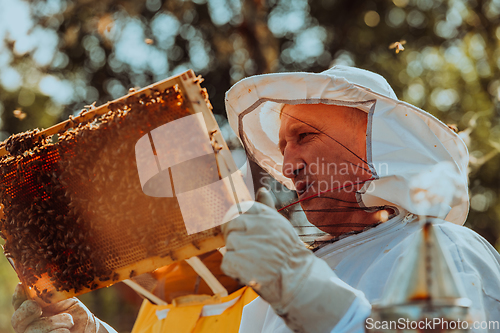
x=75 y=216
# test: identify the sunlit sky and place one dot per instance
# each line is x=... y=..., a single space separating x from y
x=17 y=26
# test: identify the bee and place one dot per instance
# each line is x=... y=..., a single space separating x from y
x=398 y=46
x=172 y=255
x=196 y=244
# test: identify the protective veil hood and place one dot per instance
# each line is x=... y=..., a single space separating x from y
x=406 y=146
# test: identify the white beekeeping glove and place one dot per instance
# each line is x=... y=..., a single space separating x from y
x=68 y=316
x=264 y=252
x=436 y=190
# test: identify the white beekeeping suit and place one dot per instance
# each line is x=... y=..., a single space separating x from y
x=419 y=169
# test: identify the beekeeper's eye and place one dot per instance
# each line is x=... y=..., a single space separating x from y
x=306 y=135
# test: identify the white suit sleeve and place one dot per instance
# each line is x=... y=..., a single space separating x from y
x=354 y=319
x=259 y=317
x=265 y=252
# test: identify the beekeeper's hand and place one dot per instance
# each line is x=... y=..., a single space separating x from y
x=264 y=252
x=68 y=316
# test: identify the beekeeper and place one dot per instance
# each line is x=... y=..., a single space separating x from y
x=365 y=165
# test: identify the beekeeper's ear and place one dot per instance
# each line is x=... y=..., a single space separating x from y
x=266 y=197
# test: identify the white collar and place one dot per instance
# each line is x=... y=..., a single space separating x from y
x=399 y=221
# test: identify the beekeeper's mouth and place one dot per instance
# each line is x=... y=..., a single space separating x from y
x=302 y=186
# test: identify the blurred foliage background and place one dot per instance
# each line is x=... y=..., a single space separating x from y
x=56 y=56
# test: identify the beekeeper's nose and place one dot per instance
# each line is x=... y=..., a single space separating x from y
x=292 y=162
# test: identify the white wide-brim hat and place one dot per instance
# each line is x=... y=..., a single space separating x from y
x=404 y=143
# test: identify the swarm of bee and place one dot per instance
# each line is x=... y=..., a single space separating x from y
x=74 y=210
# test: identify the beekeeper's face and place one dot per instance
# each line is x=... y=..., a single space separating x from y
x=324 y=148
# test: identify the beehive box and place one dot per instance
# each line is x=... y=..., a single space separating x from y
x=76 y=216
